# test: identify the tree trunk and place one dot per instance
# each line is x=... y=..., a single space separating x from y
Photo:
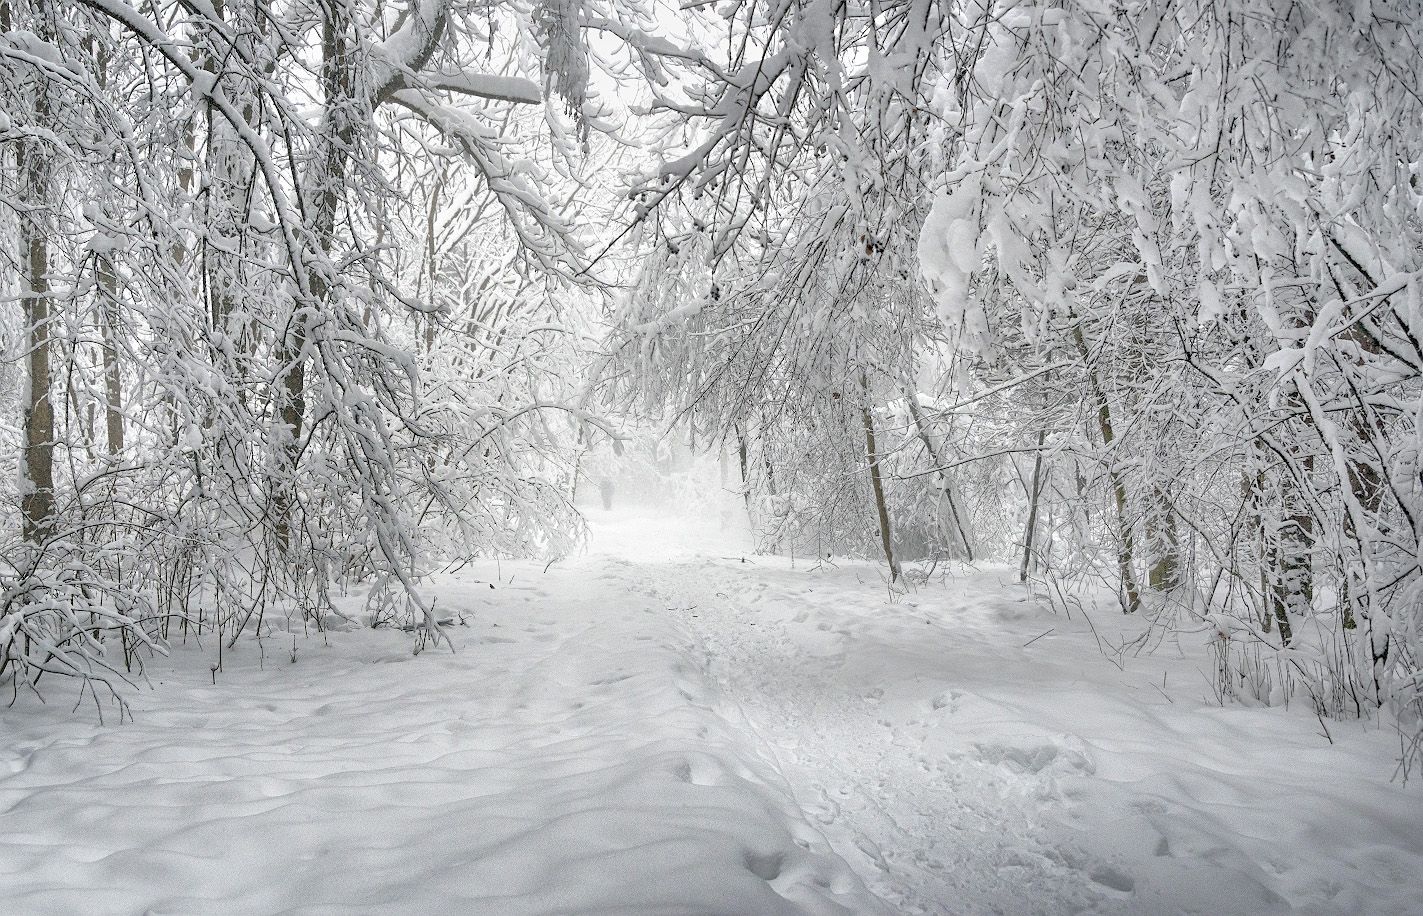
x=113 y=378
x=886 y=540
x=1165 y=572
x=37 y=504
x=957 y=536
x=1292 y=572
x=109 y=310
x=1132 y=595
x=37 y=499
x=1291 y=567
x=325 y=183
x=231 y=167
x=745 y=476
x=1031 y=531
x=766 y=464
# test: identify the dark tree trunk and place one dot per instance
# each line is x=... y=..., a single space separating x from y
x=34 y=169
x=1131 y=602
x=1165 y=572
x=1031 y=532
x=886 y=537
x=113 y=375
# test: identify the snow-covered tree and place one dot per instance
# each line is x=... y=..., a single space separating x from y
x=228 y=194
x=1212 y=212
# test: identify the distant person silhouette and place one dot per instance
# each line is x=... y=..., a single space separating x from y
x=606 y=488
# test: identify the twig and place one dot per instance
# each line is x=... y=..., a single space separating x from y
x=1038 y=637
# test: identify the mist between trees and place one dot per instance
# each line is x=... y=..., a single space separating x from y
x=311 y=295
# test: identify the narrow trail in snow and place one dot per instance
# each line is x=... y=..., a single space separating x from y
x=968 y=751
x=929 y=833
x=570 y=758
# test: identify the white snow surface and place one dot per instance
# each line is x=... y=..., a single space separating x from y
x=673 y=725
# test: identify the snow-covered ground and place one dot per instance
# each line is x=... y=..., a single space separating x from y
x=671 y=725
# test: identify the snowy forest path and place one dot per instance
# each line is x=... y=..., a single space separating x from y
x=929 y=832
x=967 y=750
x=568 y=757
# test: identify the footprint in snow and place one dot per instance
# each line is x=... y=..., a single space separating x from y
x=826 y=810
x=948 y=700
x=1066 y=756
x=765 y=867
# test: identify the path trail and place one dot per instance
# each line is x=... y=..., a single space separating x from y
x=970 y=752
x=571 y=759
x=930 y=833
